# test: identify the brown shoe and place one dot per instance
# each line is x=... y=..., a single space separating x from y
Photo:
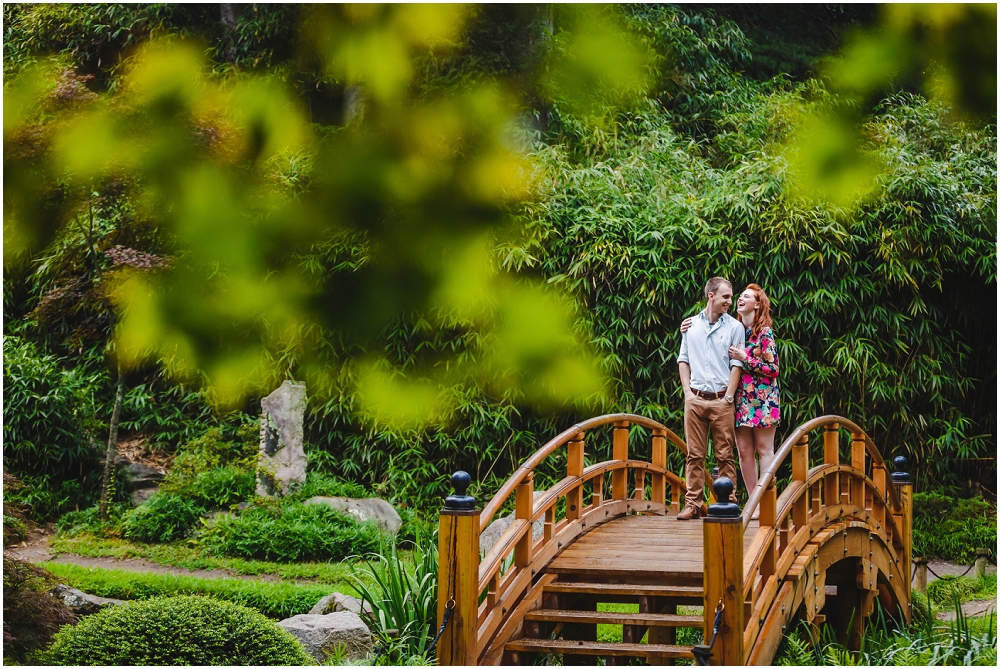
x=689 y=513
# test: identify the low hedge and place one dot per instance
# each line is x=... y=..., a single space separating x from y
x=176 y=631
x=952 y=529
x=276 y=600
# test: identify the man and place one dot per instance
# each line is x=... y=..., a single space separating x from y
x=710 y=379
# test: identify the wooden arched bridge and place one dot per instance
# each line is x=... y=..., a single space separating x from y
x=820 y=547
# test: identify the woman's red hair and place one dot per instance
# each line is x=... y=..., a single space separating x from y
x=763 y=318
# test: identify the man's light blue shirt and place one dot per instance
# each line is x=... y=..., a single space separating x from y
x=705 y=348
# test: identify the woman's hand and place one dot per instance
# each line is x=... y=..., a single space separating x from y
x=686 y=324
x=737 y=354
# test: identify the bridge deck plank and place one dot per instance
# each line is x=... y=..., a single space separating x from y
x=659 y=547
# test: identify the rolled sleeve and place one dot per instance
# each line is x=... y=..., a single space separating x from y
x=739 y=341
x=682 y=355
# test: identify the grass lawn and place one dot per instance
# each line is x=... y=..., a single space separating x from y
x=275 y=599
x=181 y=554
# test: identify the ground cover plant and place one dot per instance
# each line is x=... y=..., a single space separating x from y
x=275 y=599
x=952 y=529
x=176 y=631
x=180 y=554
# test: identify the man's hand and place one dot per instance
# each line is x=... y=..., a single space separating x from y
x=737 y=353
x=685 y=373
x=686 y=324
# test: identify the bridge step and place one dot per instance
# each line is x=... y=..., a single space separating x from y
x=612 y=618
x=645 y=650
x=691 y=592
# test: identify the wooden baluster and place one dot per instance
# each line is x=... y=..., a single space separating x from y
x=831 y=456
x=878 y=505
x=491 y=591
x=598 y=497
x=800 y=472
x=783 y=535
x=458 y=575
x=639 y=494
x=858 y=462
x=814 y=498
x=659 y=459
x=675 y=498
x=723 y=560
x=619 y=477
x=524 y=506
x=574 y=467
x=845 y=488
x=768 y=508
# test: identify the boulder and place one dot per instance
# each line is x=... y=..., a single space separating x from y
x=367 y=509
x=281 y=463
x=494 y=530
x=80 y=602
x=321 y=634
x=142 y=495
x=338 y=601
x=137 y=475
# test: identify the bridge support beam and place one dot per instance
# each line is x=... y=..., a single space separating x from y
x=723 y=551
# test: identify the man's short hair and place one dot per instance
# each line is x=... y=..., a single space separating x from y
x=713 y=285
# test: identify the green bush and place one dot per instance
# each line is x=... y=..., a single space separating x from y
x=49 y=422
x=326 y=485
x=164 y=517
x=74 y=523
x=31 y=616
x=275 y=599
x=176 y=631
x=952 y=529
x=289 y=532
x=945 y=590
x=216 y=488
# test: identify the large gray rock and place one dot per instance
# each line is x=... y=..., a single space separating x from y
x=338 y=601
x=281 y=464
x=494 y=530
x=321 y=634
x=367 y=509
x=80 y=602
x=143 y=494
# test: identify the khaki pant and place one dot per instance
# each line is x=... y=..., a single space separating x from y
x=699 y=414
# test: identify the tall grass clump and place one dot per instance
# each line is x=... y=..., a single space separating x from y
x=402 y=596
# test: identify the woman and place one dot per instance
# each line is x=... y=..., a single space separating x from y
x=757 y=406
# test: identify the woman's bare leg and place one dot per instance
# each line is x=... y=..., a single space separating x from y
x=745 y=444
x=763 y=440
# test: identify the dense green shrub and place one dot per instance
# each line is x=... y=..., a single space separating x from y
x=215 y=488
x=176 y=631
x=31 y=616
x=952 y=529
x=275 y=599
x=49 y=423
x=163 y=517
x=288 y=532
x=89 y=520
x=945 y=590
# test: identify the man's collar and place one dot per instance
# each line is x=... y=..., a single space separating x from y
x=704 y=314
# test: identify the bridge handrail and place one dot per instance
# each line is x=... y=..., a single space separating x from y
x=507 y=489
x=768 y=476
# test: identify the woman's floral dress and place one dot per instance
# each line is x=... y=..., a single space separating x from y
x=757 y=395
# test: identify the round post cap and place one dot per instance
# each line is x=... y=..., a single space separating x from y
x=723 y=508
x=459 y=501
x=900 y=475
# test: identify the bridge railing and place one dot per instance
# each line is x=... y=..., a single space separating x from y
x=831 y=493
x=579 y=501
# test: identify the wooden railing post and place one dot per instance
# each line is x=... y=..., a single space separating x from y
x=904 y=490
x=659 y=458
x=831 y=456
x=800 y=473
x=723 y=559
x=574 y=467
x=458 y=575
x=619 y=446
x=858 y=453
x=523 y=508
